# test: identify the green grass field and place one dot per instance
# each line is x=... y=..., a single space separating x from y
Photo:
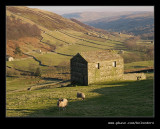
x=139 y=64
x=126 y=98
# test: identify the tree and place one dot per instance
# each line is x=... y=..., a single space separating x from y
x=18 y=50
x=32 y=68
x=150 y=52
x=131 y=43
x=38 y=72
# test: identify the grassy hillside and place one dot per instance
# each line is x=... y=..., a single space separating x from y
x=92 y=16
x=29 y=95
x=137 y=24
x=46 y=19
x=59 y=45
x=63 y=39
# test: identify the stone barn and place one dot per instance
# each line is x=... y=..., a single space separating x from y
x=96 y=66
x=99 y=66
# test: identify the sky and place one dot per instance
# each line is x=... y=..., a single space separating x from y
x=72 y=9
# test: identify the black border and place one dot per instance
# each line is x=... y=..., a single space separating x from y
x=75 y=122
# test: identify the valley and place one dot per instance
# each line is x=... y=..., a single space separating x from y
x=136 y=23
x=59 y=40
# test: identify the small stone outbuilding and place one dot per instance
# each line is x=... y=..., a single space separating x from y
x=39 y=51
x=9 y=58
x=98 y=66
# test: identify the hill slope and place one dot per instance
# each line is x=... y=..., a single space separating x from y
x=32 y=29
x=25 y=28
x=89 y=27
x=91 y=16
x=137 y=23
x=46 y=19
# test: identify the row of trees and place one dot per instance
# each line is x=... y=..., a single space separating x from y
x=16 y=29
x=14 y=72
x=131 y=44
x=147 y=36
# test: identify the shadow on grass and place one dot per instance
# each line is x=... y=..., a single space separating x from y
x=51 y=79
x=114 y=99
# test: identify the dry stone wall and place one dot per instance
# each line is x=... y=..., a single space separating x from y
x=134 y=76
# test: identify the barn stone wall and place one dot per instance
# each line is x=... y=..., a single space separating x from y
x=79 y=71
x=106 y=71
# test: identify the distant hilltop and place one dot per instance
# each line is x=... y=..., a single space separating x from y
x=137 y=23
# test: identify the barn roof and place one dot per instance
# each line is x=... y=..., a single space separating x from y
x=97 y=56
